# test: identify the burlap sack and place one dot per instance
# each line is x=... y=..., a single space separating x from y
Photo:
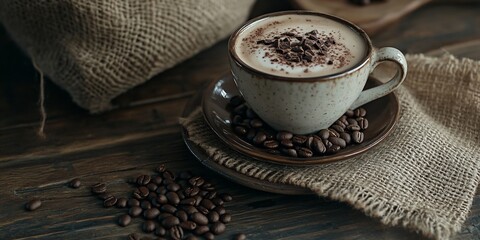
x=98 y=49
x=423 y=176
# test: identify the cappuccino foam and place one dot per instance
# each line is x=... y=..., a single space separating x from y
x=347 y=50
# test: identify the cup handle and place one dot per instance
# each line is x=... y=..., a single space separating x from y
x=384 y=54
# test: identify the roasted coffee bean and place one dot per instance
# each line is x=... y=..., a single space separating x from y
x=173 y=198
x=191 y=191
x=160 y=231
x=132 y=202
x=161 y=190
x=349 y=113
x=309 y=142
x=289 y=152
x=250 y=114
x=141 y=192
x=363 y=123
x=237 y=119
x=33 y=204
x=207 y=203
x=304 y=152
x=161 y=168
x=218 y=228
x=189 y=209
x=217 y=201
x=162 y=199
x=104 y=195
x=188 y=201
x=185 y=175
x=220 y=210
x=337 y=141
x=213 y=217
x=250 y=134
x=124 y=220
x=196 y=181
x=152 y=196
x=121 y=202
x=211 y=195
x=163 y=215
x=346 y=137
x=152 y=186
x=299 y=139
x=338 y=128
x=181 y=195
x=340 y=124
x=182 y=215
x=157 y=180
x=143 y=180
x=168 y=208
x=259 y=138
x=75 y=183
x=333 y=133
x=176 y=233
x=199 y=218
x=203 y=210
x=318 y=146
x=283 y=135
x=352 y=127
x=151 y=213
x=170 y=221
x=240 y=109
x=188 y=225
x=240 y=130
x=327 y=143
x=360 y=112
x=110 y=202
x=256 y=123
x=240 y=236
x=287 y=143
x=357 y=136
x=149 y=226
x=198 y=199
x=200 y=230
x=209 y=236
x=324 y=134
x=226 y=218
x=145 y=205
x=226 y=197
x=135 y=211
x=133 y=236
x=99 y=188
x=333 y=149
x=236 y=100
x=168 y=175
x=208 y=186
x=352 y=121
x=270 y=144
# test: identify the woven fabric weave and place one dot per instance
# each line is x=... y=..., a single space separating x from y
x=98 y=49
x=423 y=176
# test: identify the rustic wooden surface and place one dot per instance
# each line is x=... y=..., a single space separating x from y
x=143 y=132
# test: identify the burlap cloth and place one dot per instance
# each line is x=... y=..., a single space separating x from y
x=423 y=176
x=98 y=49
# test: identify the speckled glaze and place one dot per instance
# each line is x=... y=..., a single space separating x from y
x=305 y=105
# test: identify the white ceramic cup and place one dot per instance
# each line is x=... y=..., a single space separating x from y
x=316 y=102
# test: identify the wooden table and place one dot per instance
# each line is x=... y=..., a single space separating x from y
x=143 y=133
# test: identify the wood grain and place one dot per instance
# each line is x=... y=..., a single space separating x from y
x=143 y=132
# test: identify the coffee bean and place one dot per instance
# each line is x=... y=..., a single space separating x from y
x=337 y=141
x=289 y=152
x=256 y=123
x=196 y=181
x=99 y=188
x=318 y=146
x=200 y=230
x=217 y=201
x=352 y=121
x=161 y=190
x=151 y=213
x=352 y=127
x=188 y=225
x=185 y=175
x=237 y=119
x=218 y=228
x=110 y=202
x=360 y=112
x=240 y=130
x=176 y=233
x=282 y=135
x=333 y=133
x=209 y=236
x=327 y=143
x=182 y=215
x=75 y=183
x=157 y=180
x=226 y=197
x=188 y=201
x=104 y=195
x=341 y=124
x=287 y=143
x=346 y=137
x=324 y=134
x=160 y=231
x=299 y=139
x=189 y=209
x=309 y=142
x=145 y=204
x=134 y=236
x=363 y=123
x=259 y=138
x=213 y=217
x=168 y=175
x=199 y=218
x=207 y=204
x=226 y=218
x=149 y=226
x=168 y=208
x=350 y=113
x=161 y=168
x=141 y=192
x=211 y=195
x=143 y=180
x=220 y=210
x=163 y=215
x=132 y=202
x=251 y=134
x=270 y=144
x=33 y=204
x=198 y=199
x=162 y=199
x=135 y=211
x=173 y=198
x=181 y=195
x=152 y=186
x=191 y=191
x=203 y=210
x=170 y=221
x=121 y=202
x=203 y=193
x=304 y=152
x=152 y=196
x=357 y=136
x=333 y=149
x=240 y=109
x=338 y=128
x=124 y=220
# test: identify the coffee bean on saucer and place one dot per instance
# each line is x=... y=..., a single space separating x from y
x=349 y=113
x=239 y=130
x=357 y=136
x=273 y=151
x=75 y=183
x=341 y=124
x=352 y=127
x=333 y=133
x=250 y=114
x=237 y=119
x=250 y=134
x=33 y=204
x=327 y=143
x=124 y=220
x=289 y=152
x=236 y=100
x=318 y=146
x=337 y=128
x=360 y=112
x=345 y=136
x=299 y=139
x=324 y=134
x=333 y=149
x=143 y=180
x=363 y=123
x=352 y=121
x=304 y=152
x=287 y=143
x=256 y=123
x=270 y=144
x=259 y=138
x=283 y=135
x=337 y=141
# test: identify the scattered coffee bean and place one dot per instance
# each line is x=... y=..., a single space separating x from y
x=220 y=210
x=182 y=215
x=176 y=233
x=110 y=201
x=121 y=202
x=363 y=123
x=149 y=226
x=143 y=180
x=346 y=137
x=226 y=218
x=357 y=136
x=151 y=213
x=213 y=217
x=200 y=230
x=99 y=188
x=135 y=211
x=132 y=202
x=196 y=181
x=170 y=221
x=199 y=218
x=203 y=210
x=161 y=168
x=173 y=198
x=188 y=225
x=124 y=220
x=168 y=208
x=75 y=183
x=338 y=141
x=33 y=204
x=218 y=228
x=208 y=204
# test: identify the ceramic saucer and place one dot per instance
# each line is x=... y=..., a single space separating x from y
x=382 y=115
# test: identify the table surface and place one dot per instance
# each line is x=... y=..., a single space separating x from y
x=143 y=132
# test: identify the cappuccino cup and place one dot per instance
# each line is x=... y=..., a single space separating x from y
x=300 y=71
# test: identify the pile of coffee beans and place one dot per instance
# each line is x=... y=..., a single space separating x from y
x=347 y=130
x=173 y=206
